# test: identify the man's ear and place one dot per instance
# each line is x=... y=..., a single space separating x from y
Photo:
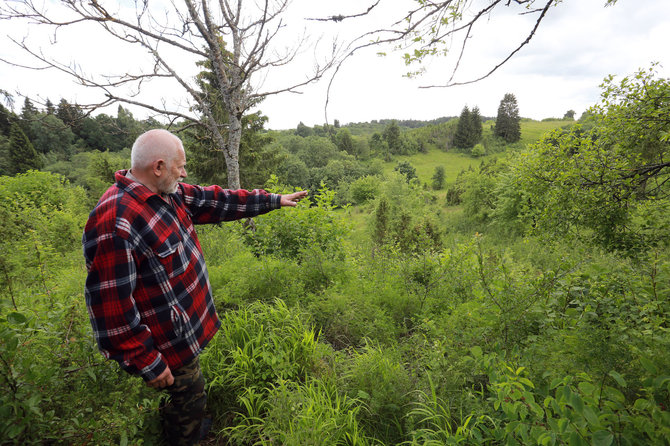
x=158 y=167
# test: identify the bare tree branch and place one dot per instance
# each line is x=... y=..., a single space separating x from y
x=341 y=17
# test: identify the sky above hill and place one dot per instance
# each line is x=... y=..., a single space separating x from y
x=576 y=47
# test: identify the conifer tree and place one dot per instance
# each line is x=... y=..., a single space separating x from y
x=28 y=115
x=49 y=107
x=6 y=118
x=477 y=127
x=22 y=154
x=508 y=122
x=392 y=137
x=464 y=131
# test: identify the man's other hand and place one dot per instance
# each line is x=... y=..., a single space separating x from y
x=163 y=380
x=293 y=199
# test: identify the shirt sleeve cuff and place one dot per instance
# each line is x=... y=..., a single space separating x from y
x=275 y=201
x=153 y=370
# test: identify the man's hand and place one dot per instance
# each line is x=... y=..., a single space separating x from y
x=163 y=380
x=293 y=199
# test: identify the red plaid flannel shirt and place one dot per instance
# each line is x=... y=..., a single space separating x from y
x=147 y=290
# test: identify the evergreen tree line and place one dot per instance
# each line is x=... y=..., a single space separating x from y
x=507 y=127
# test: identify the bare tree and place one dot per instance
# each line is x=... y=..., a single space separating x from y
x=236 y=38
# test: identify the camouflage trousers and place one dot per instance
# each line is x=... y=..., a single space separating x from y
x=184 y=409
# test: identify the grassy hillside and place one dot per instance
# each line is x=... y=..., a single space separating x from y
x=454 y=162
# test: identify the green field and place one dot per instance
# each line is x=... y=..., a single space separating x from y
x=454 y=162
x=425 y=163
x=531 y=131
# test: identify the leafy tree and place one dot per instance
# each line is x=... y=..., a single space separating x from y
x=438 y=178
x=127 y=128
x=508 y=122
x=364 y=189
x=379 y=146
x=22 y=154
x=569 y=115
x=406 y=169
x=303 y=130
x=318 y=151
x=344 y=141
x=392 y=138
x=609 y=183
x=52 y=136
x=293 y=171
x=101 y=133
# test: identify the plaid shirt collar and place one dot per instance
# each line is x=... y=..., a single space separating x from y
x=132 y=186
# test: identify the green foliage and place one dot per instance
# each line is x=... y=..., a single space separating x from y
x=609 y=180
x=287 y=234
x=51 y=135
x=22 y=154
x=406 y=169
x=379 y=380
x=364 y=189
x=258 y=347
x=313 y=413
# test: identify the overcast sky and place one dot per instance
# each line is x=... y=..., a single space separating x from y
x=579 y=43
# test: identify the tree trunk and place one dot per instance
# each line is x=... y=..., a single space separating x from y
x=232 y=152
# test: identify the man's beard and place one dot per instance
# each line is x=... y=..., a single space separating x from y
x=169 y=186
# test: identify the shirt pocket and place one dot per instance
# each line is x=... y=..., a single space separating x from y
x=173 y=256
x=178 y=319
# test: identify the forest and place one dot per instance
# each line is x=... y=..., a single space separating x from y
x=469 y=280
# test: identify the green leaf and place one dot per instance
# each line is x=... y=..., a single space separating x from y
x=16 y=318
x=586 y=388
x=362 y=394
x=527 y=382
x=641 y=404
x=591 y=417
x=648 y=365
x=577 y=403
x=618 y=378
x=602 y=438
x=476 y=351
x=576 y=440
x=124 y=439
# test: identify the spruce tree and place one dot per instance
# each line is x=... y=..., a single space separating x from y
x=508 y=122
x=22 y=154
x=6 y=118
x=464 y=130
x=477 y=127
x=439 y=178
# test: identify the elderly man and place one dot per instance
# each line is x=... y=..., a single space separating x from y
x=147 y=289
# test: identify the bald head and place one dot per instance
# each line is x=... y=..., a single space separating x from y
x=157 y=159
x=154 y=145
